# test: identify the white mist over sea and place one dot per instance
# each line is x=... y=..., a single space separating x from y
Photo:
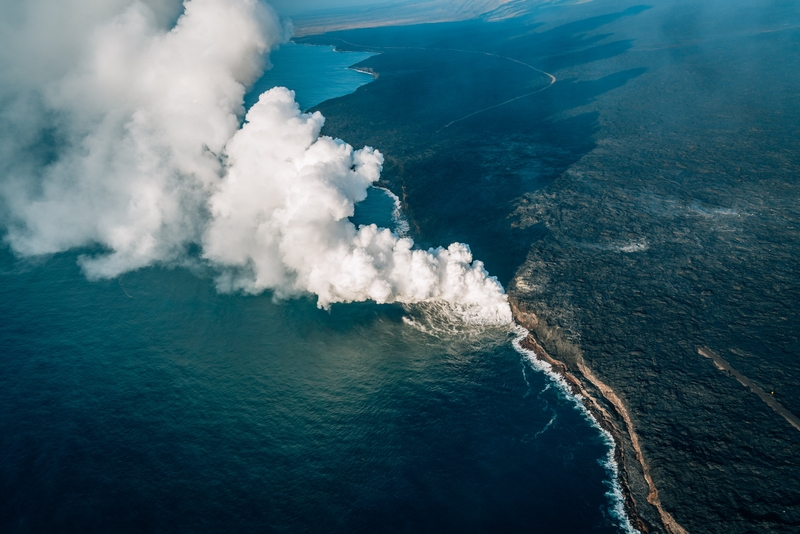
x=151 y=162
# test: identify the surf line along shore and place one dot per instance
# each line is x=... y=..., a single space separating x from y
x=611 y=415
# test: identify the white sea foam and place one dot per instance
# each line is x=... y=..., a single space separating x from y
x=614 y=493
x=401 y=225
x=547 y=426
x=449 y=320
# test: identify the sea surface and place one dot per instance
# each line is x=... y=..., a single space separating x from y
x=152 y=403
x=315 y=73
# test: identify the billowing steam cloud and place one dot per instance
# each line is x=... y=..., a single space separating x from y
x=135 y=145
x=140 y=123
x=280 y=217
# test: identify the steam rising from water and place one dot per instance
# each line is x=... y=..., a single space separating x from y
x=145 y=157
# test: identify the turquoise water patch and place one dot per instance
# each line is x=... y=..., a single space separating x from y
x=301 y=67
x=381 y=208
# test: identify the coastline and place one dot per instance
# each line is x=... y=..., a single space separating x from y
x=290 y=69
x=364 y=70
x=581 y=178
x=624 y=507
x=608 y=411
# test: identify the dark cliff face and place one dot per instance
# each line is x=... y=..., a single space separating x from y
x=643 y=206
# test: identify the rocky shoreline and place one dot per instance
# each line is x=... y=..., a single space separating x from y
x=634 y=214
x=610 y=413
x=366 y=70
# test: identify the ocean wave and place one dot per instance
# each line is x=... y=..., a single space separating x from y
x=449 y=320
x=401 y=226
x=614 y=492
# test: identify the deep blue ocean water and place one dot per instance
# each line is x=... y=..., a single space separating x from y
x=151 y=403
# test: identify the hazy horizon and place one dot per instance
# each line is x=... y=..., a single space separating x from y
x=296 y=7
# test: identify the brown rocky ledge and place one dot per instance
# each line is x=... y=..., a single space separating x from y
x=610 y=412
x=366 y=70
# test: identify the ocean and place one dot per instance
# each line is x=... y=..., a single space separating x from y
x=153 y=403
x=329 y=65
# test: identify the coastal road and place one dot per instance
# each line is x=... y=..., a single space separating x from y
x=723 y=365
x=495 y=106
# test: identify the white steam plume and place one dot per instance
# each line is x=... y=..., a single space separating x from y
x=280 y=217
x=142 y=120
x=135 y=145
